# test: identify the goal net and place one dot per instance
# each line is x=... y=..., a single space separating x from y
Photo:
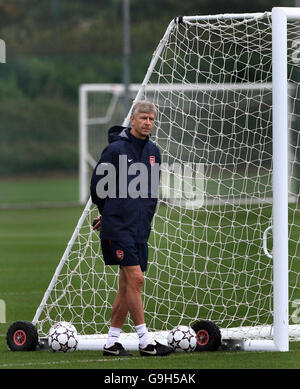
x=210 y=250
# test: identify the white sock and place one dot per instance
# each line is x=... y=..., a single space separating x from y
x=113 y=336
x=143 y=334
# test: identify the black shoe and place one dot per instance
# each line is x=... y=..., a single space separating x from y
x=156 y=350
x=116 y=350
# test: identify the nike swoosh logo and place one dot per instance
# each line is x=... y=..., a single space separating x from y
x=129 y=160
x=113 y=352
x=154 y=352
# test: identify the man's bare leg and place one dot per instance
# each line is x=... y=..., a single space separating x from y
x=119 y=310
x=134 y=283
x=118 y=316
x=128 y=299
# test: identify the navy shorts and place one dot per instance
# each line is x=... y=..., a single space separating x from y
x=124 y=253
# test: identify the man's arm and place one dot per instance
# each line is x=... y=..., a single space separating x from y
x=107 y=156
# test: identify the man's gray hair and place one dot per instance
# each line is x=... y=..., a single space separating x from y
x=143 y=106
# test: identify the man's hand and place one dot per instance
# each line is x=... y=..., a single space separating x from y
x=96 y=223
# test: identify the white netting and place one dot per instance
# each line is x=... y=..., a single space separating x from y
x=206 y=252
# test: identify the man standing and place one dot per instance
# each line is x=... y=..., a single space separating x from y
x=126 y=197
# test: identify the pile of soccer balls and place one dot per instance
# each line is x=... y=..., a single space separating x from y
x=63 y=337
x=182 y=338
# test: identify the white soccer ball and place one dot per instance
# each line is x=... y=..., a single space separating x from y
x=182 y=338
x=63 y=337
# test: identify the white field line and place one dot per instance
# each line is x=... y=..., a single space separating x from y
x=79 y=361
x=21 y=293
x=36 y=363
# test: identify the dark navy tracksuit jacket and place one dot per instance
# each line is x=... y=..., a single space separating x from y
x=126 y=219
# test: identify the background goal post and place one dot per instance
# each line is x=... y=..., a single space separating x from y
x=230 y=107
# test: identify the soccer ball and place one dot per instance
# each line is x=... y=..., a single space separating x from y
x=182 y=338
x=63 y=337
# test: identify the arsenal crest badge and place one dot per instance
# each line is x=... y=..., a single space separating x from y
x=120 y=254
x=152 y=160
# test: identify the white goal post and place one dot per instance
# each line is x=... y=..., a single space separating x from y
x=231 y=106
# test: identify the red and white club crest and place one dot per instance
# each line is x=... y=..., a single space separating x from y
x=152 y=160
x=120 y=254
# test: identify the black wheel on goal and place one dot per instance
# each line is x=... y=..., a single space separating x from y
x=22 y=336
x=208 y=335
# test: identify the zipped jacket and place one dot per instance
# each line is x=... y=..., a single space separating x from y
x=125 y=185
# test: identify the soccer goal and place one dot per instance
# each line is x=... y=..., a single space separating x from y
x=224 y=246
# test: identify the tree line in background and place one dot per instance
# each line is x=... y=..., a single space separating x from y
x=53 y=46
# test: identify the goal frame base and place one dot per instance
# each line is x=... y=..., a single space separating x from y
x=130 y=343
x=233 y=339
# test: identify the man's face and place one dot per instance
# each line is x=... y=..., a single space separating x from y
x=142 y=124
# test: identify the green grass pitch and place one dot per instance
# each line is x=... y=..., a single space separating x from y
x=32 y=243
